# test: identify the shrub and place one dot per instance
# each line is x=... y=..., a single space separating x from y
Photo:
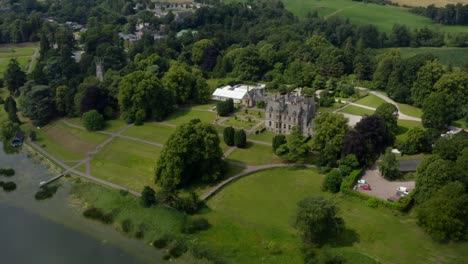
x=195 y=225
x=97 y=214
x=140 y=117
x=9 y=186
x=162 y=242
x=278 y=140
x=389 y=165
x=177 y=249
x=188 y=204
x=348 y=182
x=240 y=138
x=332 y=181
x=373 y=202
x=7 y=172
x=228 y=136
x=32 y=135
x=225 y=108
x=148 y=197
x=93 y=120
x=127 y=226
x=46 y=192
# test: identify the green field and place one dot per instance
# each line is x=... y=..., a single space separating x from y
x=254 y=154
x=67 y=143
x=127 y=163
x=371 y=101
x=356 y=110
x=23 y=53
x=185 y=115
x=252 y=218
x=265 y=136
x=384 y=17
x=404 y=127
x=151 y=131
x=410 y=110
x=114 y=125
x=455 y=56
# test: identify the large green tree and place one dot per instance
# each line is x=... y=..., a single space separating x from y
x=438 y=112
x=191 y=153
x=186 y=83
x=38 y=104
x=389 y=112
x=388 y=165
x=427 y=76
x=14 y=77
x=143 y=91
x=329 y=127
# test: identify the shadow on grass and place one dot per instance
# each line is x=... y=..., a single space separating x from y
x=346 y=239
x=402 y=130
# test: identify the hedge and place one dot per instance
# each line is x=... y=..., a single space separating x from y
x=348 y=182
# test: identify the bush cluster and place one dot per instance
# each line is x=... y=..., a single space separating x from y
x=7 y=172
x=195 y=225
x=8 y=186
x=97 y=214
x=46 y=192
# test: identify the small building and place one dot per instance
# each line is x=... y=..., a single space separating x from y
x=240 y=93
x=408 y=165
x=18 y=139
x=283 y=112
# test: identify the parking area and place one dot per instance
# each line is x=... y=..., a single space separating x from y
x=381 y=187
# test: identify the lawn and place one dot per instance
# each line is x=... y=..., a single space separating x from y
x=251 y=219
x=151 y=131
x=67 y=143
x=371 y=101
x=460 y=123
x=266 y=136
x=447 y=55
x=182 y=116
x=356 y=110
x=410 y=110
x=127 y=163
x=114 y=125
x=22 y=52
x=241 y=122
x=365 y=13
x=254 y=154
x=404 y=127
x=332 y=108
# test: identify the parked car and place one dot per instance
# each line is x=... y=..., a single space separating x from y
x=403 y=190
x=361 y=181
x=366 y=187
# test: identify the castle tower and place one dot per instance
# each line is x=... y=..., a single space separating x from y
x=99 y=70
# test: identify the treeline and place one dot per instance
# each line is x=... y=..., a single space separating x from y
x=449 y=15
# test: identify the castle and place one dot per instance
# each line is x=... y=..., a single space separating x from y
x=283 y=112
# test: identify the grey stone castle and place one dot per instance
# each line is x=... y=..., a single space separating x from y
x=283 y=112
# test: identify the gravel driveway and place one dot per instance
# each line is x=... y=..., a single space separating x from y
x=381 y=187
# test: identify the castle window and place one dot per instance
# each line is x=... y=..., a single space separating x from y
x=284 y=126
x=270 y=115
x=289 y=127
x=270 y=123
x=276 y=125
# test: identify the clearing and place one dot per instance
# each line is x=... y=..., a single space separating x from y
x=447 y=55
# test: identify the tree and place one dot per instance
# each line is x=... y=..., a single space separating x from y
x=8 y=130
x=462 y=166
x=14 y=77
x=278 y=140
x=38 y=104
x=449 y=148
x=205 y=54
x=296 y=149
x=417 y=141
x=93 y=120
x=224 y=108
x=148 y=197
x=187 y=84
x=354 y=144
x=432 y=173
x=438 y=113
x=240 y=138
x=90 y=95
x=228 y=136
x=389 y=112
x=143 y=91
x=64 y=100
x=329 y=155
x=191 y=153
x=375 y=136
x=347 y=164
x=427 y=76
x=445 y=215
x=329 y=127
x=332 y=181
x=317 y=221
x=10 y=109
x=388 y=166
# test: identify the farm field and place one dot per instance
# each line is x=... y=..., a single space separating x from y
x=447 y=55
x=365 y=13
x=22 y=52
x=253 y=215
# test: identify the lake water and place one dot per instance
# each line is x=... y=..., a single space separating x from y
x=53 y=231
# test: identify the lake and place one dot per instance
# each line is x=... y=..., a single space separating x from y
x=53 y=230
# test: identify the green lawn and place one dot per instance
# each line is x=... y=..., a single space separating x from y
x=384 y=17
x=207 y=106
x=254 y=154
x=114 y=125
x=332 y=108
x=67 y=143
x=410 y=110
x=447 y=55
x=404 y=127
x=371 y=101
x=252 y=217
x=240 y=122
x=185 y=115
x=266 y=136
x=22 y=52
x=151 y=132
x=356 y=110
x=127 y=163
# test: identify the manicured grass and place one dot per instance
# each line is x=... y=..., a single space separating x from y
x=67 y=143
x=185 y=115
x=22 y=52
x=365 y=13
x=419 y=156
x=356 y=110
x=266 y=136
x=127 y=163
x=410 y=110
x=332 y=108
x=446 y=55
x=151 y=131
x=254 y=154
x=404 y=127
x=208 y=106
x=240 y=122
x=253 y=215
x=371 y=101
x=114 y=125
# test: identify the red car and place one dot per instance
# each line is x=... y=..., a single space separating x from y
x=366 y=187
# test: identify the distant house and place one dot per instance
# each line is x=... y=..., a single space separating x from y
x=18 y=139
x=408 y=165
x=181 y=16
x=240 y=93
